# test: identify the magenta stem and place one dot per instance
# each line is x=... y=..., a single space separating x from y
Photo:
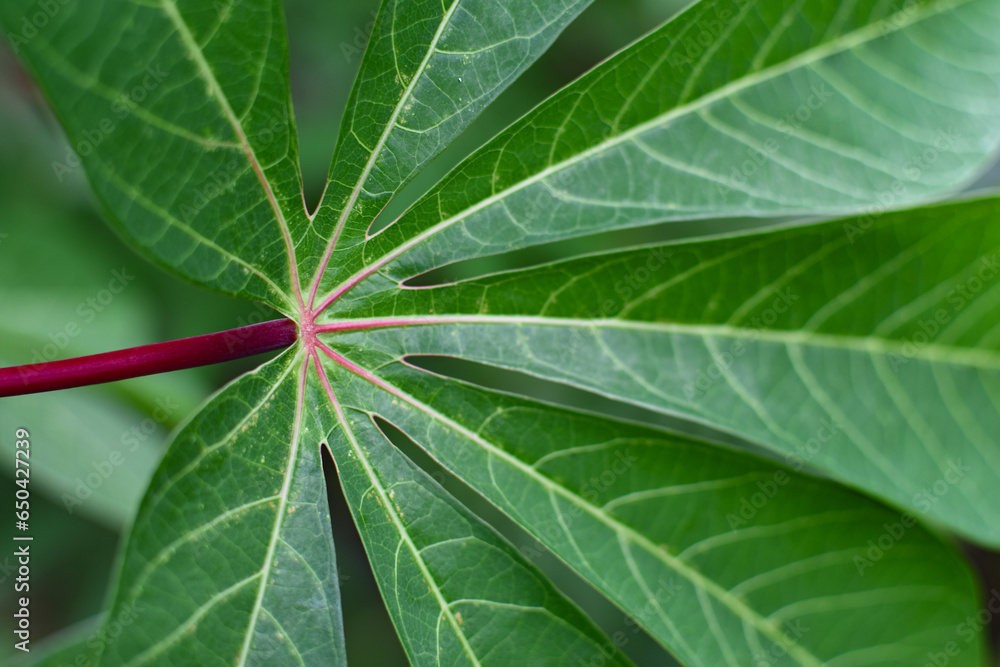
x=173 y=355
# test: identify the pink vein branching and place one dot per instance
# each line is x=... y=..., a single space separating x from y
x=177 y=355
x=203 y=350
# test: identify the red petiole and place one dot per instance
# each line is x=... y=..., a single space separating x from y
x=173 y=355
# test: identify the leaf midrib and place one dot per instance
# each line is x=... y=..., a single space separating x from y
x=979 y=358
x=281 y=512
x=383 y=139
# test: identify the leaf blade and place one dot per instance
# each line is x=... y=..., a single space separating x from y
x=448 y=61
x=183 y=181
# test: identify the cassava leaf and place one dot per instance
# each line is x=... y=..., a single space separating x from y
x=429 y=70
x=803 y=340
x=231 y=560
x=188 y=140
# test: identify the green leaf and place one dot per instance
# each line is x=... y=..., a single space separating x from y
x=188 y=141
x=429 y=71
x=78 y=469
x=802 y=341
x=839 y=108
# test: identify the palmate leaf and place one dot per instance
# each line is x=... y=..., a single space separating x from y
x=802 y=341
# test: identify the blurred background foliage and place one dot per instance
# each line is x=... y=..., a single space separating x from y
x=93 y=449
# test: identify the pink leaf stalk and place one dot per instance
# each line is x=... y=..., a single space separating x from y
x=173 y=355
